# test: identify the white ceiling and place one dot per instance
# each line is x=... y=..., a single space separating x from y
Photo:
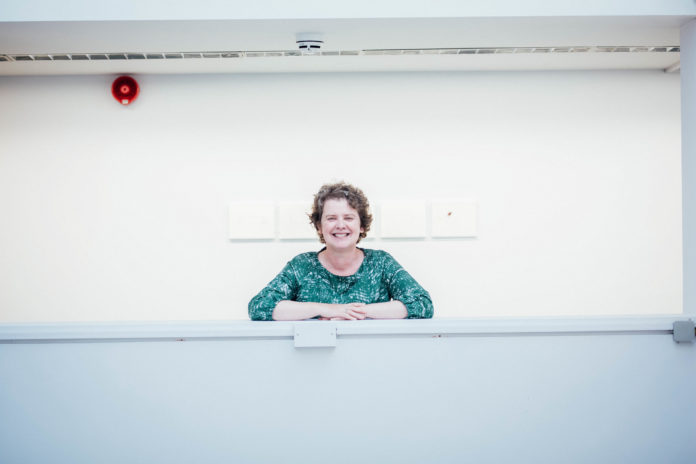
x=352 y=35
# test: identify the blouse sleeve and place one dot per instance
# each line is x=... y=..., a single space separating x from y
x=283 y=287
x=404 y=288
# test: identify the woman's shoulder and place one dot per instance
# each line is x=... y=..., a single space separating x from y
x=380 y=262
x=306 y=257
x=377 y=255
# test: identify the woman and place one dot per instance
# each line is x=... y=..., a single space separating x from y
x=341 y=281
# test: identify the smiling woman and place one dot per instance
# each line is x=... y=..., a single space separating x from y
x=341 y=281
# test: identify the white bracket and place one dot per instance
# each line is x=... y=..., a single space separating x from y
x=684 y=331
x=312 y=334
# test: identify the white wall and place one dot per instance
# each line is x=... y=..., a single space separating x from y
x=113 y=212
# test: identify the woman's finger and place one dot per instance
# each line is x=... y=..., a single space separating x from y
x=357 y=314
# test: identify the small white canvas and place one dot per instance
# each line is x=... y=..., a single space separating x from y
x=454 y=218
x=403 y=219
x=251 y=220
x=293 y=221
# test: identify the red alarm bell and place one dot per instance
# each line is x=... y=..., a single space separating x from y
x=125 y=90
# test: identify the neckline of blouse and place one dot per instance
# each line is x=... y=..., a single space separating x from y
x=336 y=276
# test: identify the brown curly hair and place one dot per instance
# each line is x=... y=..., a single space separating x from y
x=341 y=190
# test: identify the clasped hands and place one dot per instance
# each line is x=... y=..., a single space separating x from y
x=344 y=312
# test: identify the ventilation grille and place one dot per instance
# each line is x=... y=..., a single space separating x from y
x=256 y=54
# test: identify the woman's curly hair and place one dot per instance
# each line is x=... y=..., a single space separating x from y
x=341 y=190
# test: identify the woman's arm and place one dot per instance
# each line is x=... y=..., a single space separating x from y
x=283 y=287
x=393 y=309
x=287 y=310
x=404 y=289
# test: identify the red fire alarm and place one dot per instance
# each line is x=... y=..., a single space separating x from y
x=125 y=90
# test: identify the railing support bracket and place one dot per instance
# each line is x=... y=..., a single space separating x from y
x=684 y=331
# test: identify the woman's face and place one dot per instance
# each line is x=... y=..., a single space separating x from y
x=340 y=224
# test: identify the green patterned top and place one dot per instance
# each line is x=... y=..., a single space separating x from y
x=379 y=279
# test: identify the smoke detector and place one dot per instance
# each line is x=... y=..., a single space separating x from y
x=309 y=42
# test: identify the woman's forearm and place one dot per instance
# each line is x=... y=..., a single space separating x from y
x=393 y=309
x=287 y=310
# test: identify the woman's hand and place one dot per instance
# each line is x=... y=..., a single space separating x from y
x=344 y=312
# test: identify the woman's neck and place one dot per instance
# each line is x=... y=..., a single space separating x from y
x=342 y=262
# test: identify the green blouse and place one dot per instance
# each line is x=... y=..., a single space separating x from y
x=379 y=279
